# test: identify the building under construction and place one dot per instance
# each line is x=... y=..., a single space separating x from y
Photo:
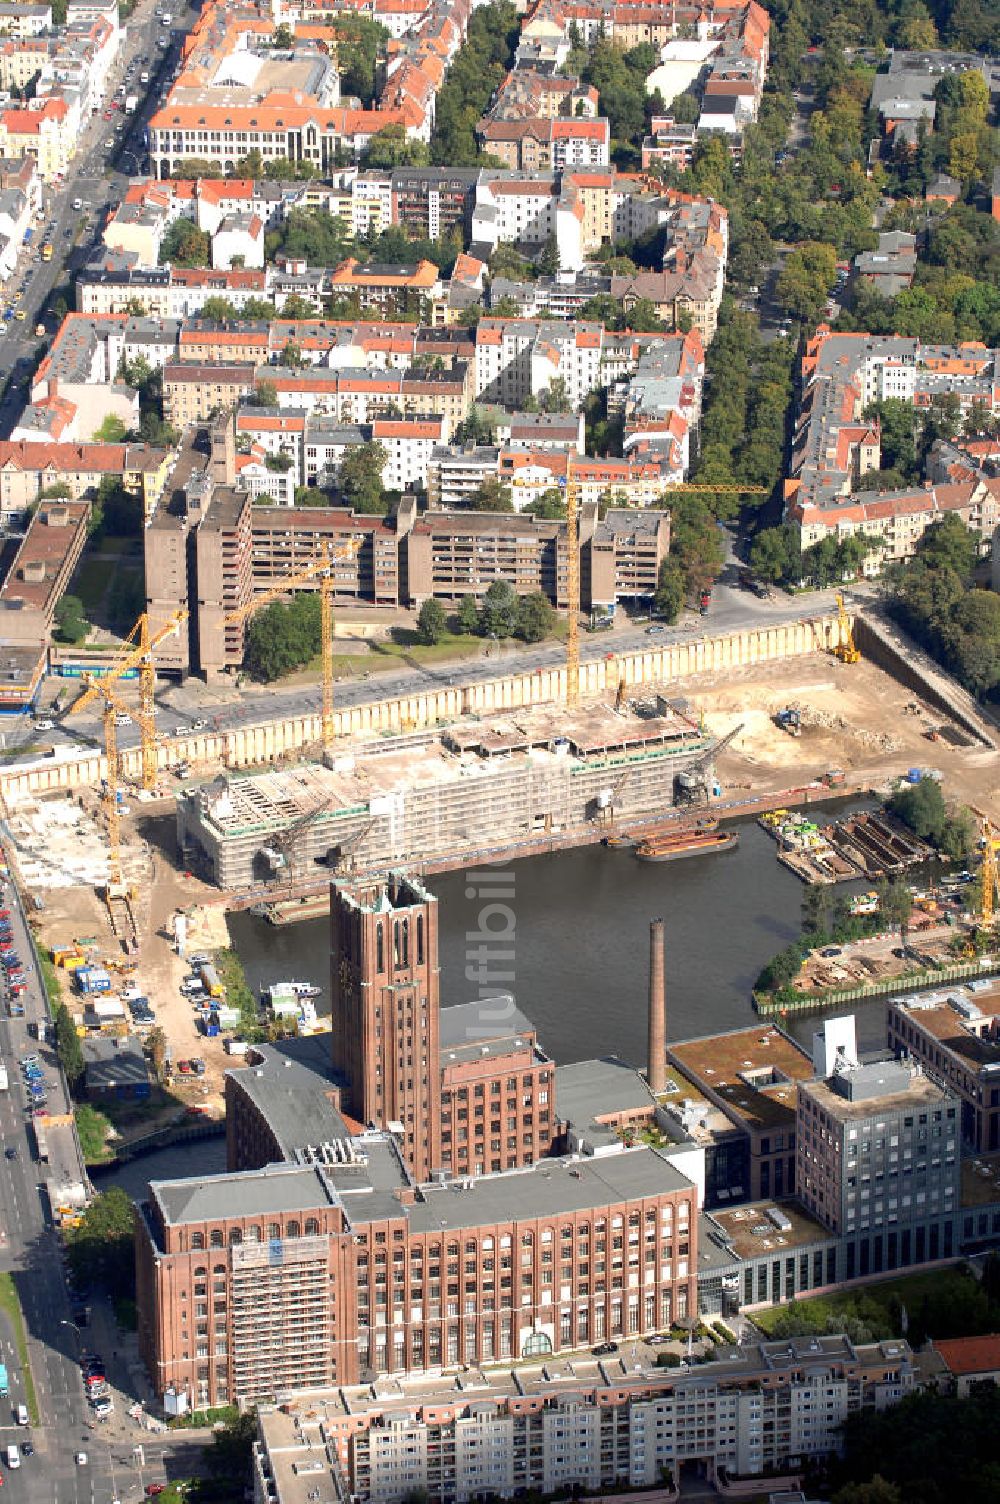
x=472 y=788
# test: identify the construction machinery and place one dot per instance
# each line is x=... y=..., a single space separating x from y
x=321 y=569
x=691 y=785
x=116 y=892
x=138 y=654
x=989 y=875
x=846 y=649
x=573 y=566
x=789 y=719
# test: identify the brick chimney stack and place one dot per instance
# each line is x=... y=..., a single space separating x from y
x=656 y=1062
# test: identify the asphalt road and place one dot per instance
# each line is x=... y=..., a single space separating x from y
x=98 y=176
x=121 y=1457
x=180 y=707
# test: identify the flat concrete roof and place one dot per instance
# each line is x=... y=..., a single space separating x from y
x=591 y=1089
x=292 y=1086
x=754 y=1072
x=753 y=1233
x=552 y=1187
x=920 y=1092
x=278 y=1188
x=967 y=1033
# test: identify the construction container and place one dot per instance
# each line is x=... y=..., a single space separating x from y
x=91 y=979
x=210 y=978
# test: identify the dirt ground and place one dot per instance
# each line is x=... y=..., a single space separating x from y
x=76 y=912
x=859 y=723
x=854 y=717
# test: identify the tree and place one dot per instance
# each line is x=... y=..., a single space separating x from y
x=555 y=398
x=282 y=37
x=491 y=496
x=695 y=542
x=431 y=622
x=877 y=1491
x=360 y=478
x=266 y=394
x=806 y=278
x=231 y=1452
x=499 y=613
x=101 y=1249
x=669 y=597
x=775 y=554
x=390 y=147
x=185 y=245
x=895 y=903
x=282 y=638
x=58 y=491
x=292 y=357
x=71 y=623
x=551 y=504
x=312 y=496
x=156 y=1049
x=535 y=617
x=68 y=1046
x=467 y=616
x=549 y=262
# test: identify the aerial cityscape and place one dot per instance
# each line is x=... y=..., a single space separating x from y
x=499 y=751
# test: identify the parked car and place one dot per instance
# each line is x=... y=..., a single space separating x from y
x=604 y=1349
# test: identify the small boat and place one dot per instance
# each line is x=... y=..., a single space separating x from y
x=305 y=989
x=621 y=842
x=686 y=843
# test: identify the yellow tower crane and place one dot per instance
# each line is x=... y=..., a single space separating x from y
x=846 y=649
x=140 y=644
x=990 y=875
x=320 y=568
x=573 y=565
x=111 y=708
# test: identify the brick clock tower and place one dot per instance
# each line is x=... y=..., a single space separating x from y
x=385 y=991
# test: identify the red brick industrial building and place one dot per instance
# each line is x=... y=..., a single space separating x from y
x=399 y=1212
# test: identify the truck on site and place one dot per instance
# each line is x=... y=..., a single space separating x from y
x=210 y=981
x=789 y=719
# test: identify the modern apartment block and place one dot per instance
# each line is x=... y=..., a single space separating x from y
x=597 y=1426
x=878 y=1163
x=956 y=1039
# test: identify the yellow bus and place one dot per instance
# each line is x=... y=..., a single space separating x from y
x=47 y=252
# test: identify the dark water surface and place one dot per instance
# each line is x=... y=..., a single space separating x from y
x=581 y=953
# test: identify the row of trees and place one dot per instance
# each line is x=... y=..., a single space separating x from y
x=476 y=73
x=749 y=390
x=933 y=597
x=501 y=614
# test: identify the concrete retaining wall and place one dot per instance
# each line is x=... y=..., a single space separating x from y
x=272 y=741
x=898 y=655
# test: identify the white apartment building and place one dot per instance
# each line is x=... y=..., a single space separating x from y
x=586 y=1426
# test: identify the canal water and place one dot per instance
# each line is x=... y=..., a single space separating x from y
x=579 y=952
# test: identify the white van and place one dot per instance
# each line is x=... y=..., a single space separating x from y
x=22 y=1415
x=13 y=1456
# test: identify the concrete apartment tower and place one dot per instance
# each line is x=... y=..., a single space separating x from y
x=385 y=992
x=656 y=1048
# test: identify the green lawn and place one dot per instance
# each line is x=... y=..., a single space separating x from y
x=10 y=1305
x=90 y=583
x=92 y=1127
x=874 y=1303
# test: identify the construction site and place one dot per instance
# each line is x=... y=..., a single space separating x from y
x=467 y=773
x=467 y=793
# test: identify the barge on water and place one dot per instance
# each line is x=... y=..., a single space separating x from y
x=681 y=843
